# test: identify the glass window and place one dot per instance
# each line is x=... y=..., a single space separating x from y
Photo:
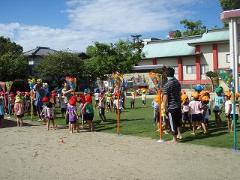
x=191 y=69
x=204 y=68
x=175 y=69
x=227 y=58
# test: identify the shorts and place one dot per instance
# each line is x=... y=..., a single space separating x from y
x=185 y=116
x=73 y=122
x=20 y=116
x=216 y=109
x=1 y=116
x=205 y=120
x=197 y=117
x=88 y=117
x=231 y=116
x=175 y=117
x=63 y=110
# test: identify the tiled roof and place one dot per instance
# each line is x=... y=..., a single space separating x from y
x=183 y=46
x=170 y=48
x=39 y=51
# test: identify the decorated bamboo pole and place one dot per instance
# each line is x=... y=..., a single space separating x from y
x=9 y=85
x=118 y=80
x=31 y=83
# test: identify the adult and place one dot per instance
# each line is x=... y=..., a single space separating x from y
x=66 y=95
x=172 y=101
x=39 y=94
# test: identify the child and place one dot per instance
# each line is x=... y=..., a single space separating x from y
x=47 y=113
x=205 y=110
x=1 y=109
x=96 y=95
x=228 y=109
x=236 y=112
x=109 y=100
x=144 y=96
x=12 y=101
x=185 y=110
x=72 y=114
x=155 y=105
x=63 y=106
x=101 y=107
x=196 y=112
x=133 y=97
x=218 y=105
x=19 y=109
x=88 y=112
x=117 y=104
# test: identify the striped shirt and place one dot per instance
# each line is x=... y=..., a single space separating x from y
x=173 y=91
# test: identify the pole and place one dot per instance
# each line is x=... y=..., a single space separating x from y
x=160 y=117
x=234 y=65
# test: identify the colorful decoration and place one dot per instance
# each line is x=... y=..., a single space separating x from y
x=72 y=82
x=31 y=83
x=9 y=85
x=118 y=78
x=226 y=76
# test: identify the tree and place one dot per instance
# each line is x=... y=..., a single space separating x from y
x=13 y=65
x=230 y=4
x=57 y=66
x=193 y=27
x=108 y=58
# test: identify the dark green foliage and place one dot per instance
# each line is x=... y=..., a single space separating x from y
x=13 y=65
x=56 y=66
x=230 y=4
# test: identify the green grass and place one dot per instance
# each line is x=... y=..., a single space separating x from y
x=139 y=122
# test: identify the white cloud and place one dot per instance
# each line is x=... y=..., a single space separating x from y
x=100 y=20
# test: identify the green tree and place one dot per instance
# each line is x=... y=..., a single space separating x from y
x=230 y=4
x=193 y=28
x=104 y=59
x=56 y=66
x=13 y=65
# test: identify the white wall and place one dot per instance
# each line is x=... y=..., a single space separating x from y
x=223 y=50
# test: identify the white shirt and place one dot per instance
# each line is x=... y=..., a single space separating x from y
x=96 y=96
x=227 y=106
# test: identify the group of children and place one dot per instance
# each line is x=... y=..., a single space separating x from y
x=197 y=109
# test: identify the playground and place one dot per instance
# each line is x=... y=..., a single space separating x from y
x=32 y=152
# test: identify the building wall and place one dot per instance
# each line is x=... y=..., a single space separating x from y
x=188 y=61
x=223 y=50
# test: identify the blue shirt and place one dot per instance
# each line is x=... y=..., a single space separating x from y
x=1 y=108
x=219 y=101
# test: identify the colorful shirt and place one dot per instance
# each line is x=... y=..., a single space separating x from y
x=47 y=113
x=219 y=101
x=72 y=112
x=18 y=108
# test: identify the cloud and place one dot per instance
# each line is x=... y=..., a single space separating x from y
x=100 y=20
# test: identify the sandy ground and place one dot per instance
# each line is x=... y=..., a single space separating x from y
x=31 y=152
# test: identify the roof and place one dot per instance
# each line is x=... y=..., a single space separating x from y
x=39 y=51
x=169 y=48
x=219 y=35
x=183 y=46
x=226 y=15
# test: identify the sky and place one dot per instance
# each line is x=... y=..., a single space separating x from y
x=75 y=24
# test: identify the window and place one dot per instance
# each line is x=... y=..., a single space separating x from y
x=175 y=69
x=204 y=69
x=191 y=69
x=227 y=58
